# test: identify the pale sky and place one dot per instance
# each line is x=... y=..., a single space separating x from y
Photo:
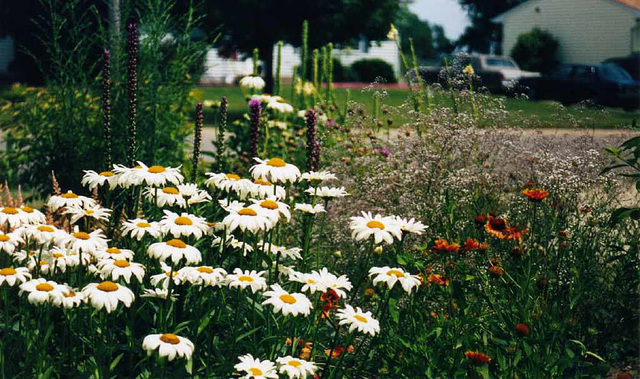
x=447 y=13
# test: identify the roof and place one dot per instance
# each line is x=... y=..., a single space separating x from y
x=632 y=4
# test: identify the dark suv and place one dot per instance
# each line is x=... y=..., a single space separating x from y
x=606 y=84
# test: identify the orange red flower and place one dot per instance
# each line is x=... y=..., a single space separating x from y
x=437 y=279
x=470 y=245
x=477 y=358
x=443 y=246
x=535 y=195
x=496 y=271
x=338 y=350
x=523 y=329
x=499 y=228
x=330 y=299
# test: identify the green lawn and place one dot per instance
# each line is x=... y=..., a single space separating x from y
x=521 y=112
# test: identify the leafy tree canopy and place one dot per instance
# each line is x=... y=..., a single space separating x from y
x=482 y=32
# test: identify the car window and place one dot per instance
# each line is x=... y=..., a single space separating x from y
x=496 y=62
x=614 y=72
x=583 y=72
x=475 y=62
x=563 y=71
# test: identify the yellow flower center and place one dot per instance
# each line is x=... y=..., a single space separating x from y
x=276 y=162
x=8 y=271
x=245 y=278
x=69 y=195
x=10 y=211
x=106 y=173
x=183 y=221
x=170 y=190
x=45 y=228
x=294 y=363
x=89 y=211
x=247 y=212
x=396 y=273
x=375 y=224
x=171 y=274
x=170 y=338
x=269 y=204
x=69 y=294
x=360 y=318
x=81 y=235
x=156 y=169
x=4 y=238
x=176 y=243
x=137 y=167
x=121 y=263
x=262 y=182
x=205 y=270
x=43 y=263
x=311 y=281
x=107 y=286
x=232 y=176
x=44 y=287
x=288 y=299
x=255 y=371
x=113 y=250
x=58 y=255
x=143 y=225
x=27 y=209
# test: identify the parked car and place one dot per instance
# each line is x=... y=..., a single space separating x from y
x=496 y=73
x=630 y=64
x=605 y=84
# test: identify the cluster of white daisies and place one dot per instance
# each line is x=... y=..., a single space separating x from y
x=258 y=204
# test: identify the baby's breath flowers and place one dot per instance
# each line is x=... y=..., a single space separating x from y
x=286 y=302
x=296 y=368
x=69 y=199
x=40 y=290
x=246 y=219
x=108 y=295
x=381 y=228
x=168 y=345
x=183 y=225
x=93 y=179
x=158 y=176
x=357 y=319
x=116 y=269
x=13 y=276
x=138 y=228
x=274 y=170
x=393 y=275
x=255 y=368
x=308 y=208
x=175 y=249
x=243 y=279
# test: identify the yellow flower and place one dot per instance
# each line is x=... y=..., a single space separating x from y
x=393 y=33
x=468 y=70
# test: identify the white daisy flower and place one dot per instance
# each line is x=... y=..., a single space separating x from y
x=158 y=293
x=96 y=212
x=204 y=275
x=92 y=179
x=287 y=302
x=247 y=219
x=318 y=176
x=176 y=250
x=9 y=242
x=308 y=208
x=69 y=199
x=40 y=290
x=327 y=192
x=271 y=208
x=85 y=242
x=252 y=83
x=33 y=216
x=71 y=258
x=230 y=183
x=193 y=194
x=293 y=253
x=229 y=205
x=328 y=280
x=411 y=226
x=357 y=319
x=138 y=228
x=279 y=105
x=168 y=345
x=311 y=281
x=274 y=170
x=233 y=242
x=158 y=176
x=42 y=234
x=183 y=225
x=14 y=217
x=381 y=228
x=244 y=279
x=263 y=189
x=162 y=280
x=68 y=298
x=167 y=196
x=265 y=97
x=11 y=275
x=392 y=275
x=115 y=254
x=278 y=124
x=116 y=269
x=126 y=176
x=296 y=368
x=255 y=368
x=108 y=295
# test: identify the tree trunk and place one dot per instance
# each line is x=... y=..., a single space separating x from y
x=114 y=20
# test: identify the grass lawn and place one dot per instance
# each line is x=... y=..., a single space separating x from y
x=537 y=113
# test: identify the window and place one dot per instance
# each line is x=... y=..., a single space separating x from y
x=496 y=62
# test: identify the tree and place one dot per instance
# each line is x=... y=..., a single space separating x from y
x=442 y=44
x=410 y=26
x=247 y=24
x=482 y=32
x=536 y=51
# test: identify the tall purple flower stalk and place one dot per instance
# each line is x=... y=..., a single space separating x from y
x=197 y=140
x=132 y=90
x=313 y=147
x=222 y=128
x=106 y=108
x=255 y=109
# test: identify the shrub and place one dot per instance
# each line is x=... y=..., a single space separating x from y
x=368 y=70
x=536 y=51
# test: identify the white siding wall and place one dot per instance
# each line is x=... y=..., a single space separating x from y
x=222 y=70
x=6 y=53
x=589 y=31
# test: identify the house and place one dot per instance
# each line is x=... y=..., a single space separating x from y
x=225 y=70
x=588 y=31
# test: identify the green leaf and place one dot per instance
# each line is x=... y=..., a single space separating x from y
x=203 y=324
x=393 y=310
x=596 y=356
x=189 y=366
x=115 y=362
x=570 y=353
x=46 y=374
x=247 y=334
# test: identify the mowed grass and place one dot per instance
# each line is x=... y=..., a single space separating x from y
x=522 y=112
